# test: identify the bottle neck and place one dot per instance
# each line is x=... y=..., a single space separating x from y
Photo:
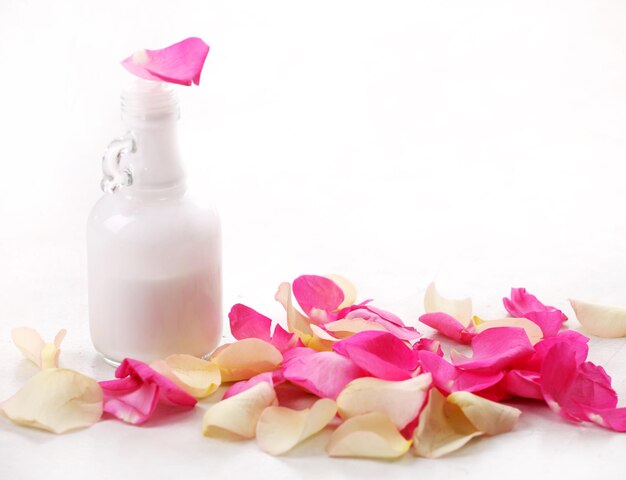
x=155 y=164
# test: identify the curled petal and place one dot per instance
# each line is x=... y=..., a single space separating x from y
x=379 y=353
x=578 y=340
x=461 y=310
x=240 y=413
x=348 y=289
x=242 y=386
x=605 y=321
x=33 y=347
x=180 y=63
x=549 y=321
x=57 y=400
x=194 y=375
x=523 y=383
x=246 y=358
x=324 y=374
x=347 y=327
x=490 y=418
x=449 y=326
x=316 y=292
x=495 y=349
x=532 y=329
x=400 y=401
x=372 y=435
x=248 y=323
x=296 y=322
x=429 y=345
x=279 y=429
x=521 y=303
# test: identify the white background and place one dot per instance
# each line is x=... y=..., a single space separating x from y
x=481 y=144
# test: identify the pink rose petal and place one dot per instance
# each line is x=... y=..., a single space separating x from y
x=248 y=323
x=388 y=320
x=550 y=321
x=568 y=336
x=522 y=303
x=380 y=353
x=523 y=383
x=572 y=389
x=611 y=418
x=495 y=349
x=449 y=326
x=449 y=378
x=429 y=345
x=316 y=292
x=324 y=374
x=242 y=386
x=180 y=63
x=135 y=394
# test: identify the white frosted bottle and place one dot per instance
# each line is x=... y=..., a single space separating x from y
x=154 y=255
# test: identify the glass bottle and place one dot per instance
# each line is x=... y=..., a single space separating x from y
x=154 y=254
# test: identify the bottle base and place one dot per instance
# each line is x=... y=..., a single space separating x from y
x=111 y=362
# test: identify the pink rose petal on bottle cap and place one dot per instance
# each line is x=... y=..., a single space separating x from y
x=180 y=63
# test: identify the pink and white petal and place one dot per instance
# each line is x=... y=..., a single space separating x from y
x=279 y=429
x=606 y=321
x=380 y=353
x=442 y=428
x=324 y=374
x=246 y=322
x=246 y=358
x=532 y=329
x=449 y=326
x=522 y=302
x=490 y=418
x=388 y=320
x=168 y=390
x=283 y=340
x=296 y=322
x=194 y=375
x=243 y=385
x=57 y=400
x=372 y=435
x=317 y=292
x=612 y=418
x=180 y=63
x=240 y=413
x=461 y=309
x=348 y=289
x=346 y=327
x=429 y=345
x=495 y=349
x=132 y=405
x=29 y=343
x=400 y=401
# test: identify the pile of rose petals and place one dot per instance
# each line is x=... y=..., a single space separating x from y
x=379 y=385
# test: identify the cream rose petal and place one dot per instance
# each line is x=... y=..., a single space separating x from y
x=372 y=435
x=442 y=428
x=57 y=400
x=296 y=322
x=531 y=328
x=33 y=347
x=280 y=429
x=240 y=413
x=605 y=321
x=194 y=375
x=401 y=401
x=488 y=417
x=246 y=358
x=460 y=309
x=349 y=290
x=347 y=327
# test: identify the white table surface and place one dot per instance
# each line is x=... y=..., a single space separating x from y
x=480 y=144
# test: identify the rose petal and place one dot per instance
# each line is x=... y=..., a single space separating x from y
x=400 y=401
x=194 y=375
x=242 y=386
x=347 y=327
x=461 y=309
x=379 y=353
x=33 y=347
x=279 y=429
x=495 y=349
x=568 y=336
x=324 y=374
x=388 y=320
x=57 y=400
x=296 y=322
x=612 y=418
x=549 y=321
x=316 y=292
x=449 y=326
x=523 y=383
x=573 y=389
x=246 y=358
x=488 y=417
x=180 y=63
x=449 y=378
x=240 y=413
x=605 y=321
x=348 y=289
x=248 y=323
x=532 y=329
x=522 y=303
x=372 y=435
x=429 y=345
